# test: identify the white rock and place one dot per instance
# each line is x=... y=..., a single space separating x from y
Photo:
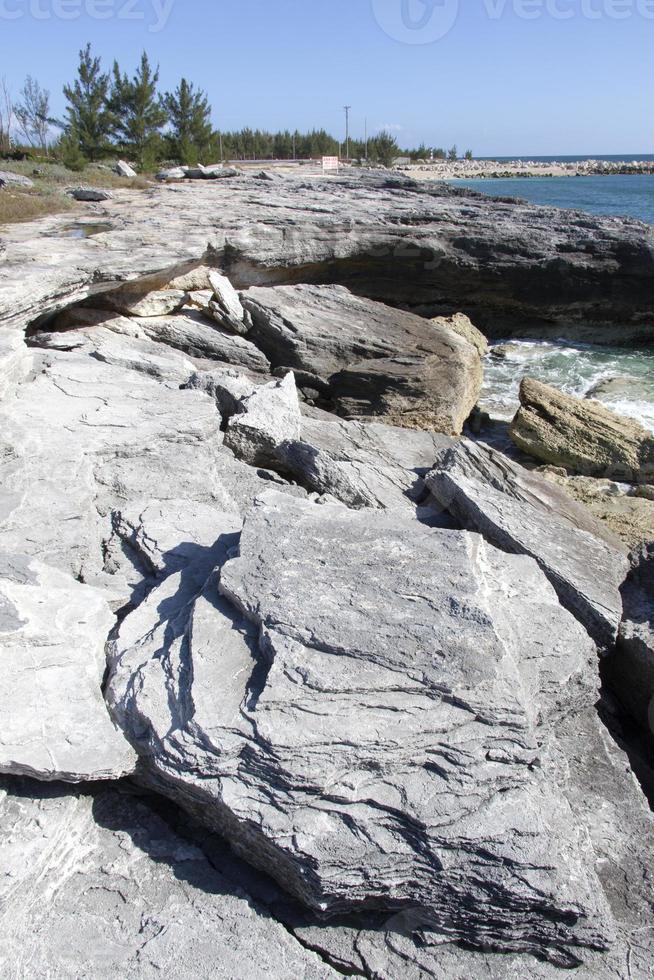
x=55 y=724
x=265 y=419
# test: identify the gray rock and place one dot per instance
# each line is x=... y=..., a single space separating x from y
x=55 y=723
x=509 y=266
x=524 y=513
x=382 y=361
x=413 y=763
x=630 y=669
x=193 y=333
x=15 y=361
x=99 y=885
x=263 y=420
x=89 y=194
x=226 y=307
x=227 y=386
x=362 y=465
x=8 y=179
x=124 y=170
x=172 y=173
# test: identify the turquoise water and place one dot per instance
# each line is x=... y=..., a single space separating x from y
x=621 y=378
x=631 y=195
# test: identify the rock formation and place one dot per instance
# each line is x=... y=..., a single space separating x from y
x=582 y=436
x=364 y=656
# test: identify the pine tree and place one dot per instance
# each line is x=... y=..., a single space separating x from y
x=139 y=112
x=89 y=118
x=189 y=114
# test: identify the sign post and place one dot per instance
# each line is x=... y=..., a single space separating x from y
x=329 y=163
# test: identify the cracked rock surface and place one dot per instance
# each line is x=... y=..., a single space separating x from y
x=309 y=695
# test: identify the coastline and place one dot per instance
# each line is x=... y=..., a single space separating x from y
x=492 y=169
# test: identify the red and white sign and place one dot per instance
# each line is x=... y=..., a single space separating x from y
x=329 y=163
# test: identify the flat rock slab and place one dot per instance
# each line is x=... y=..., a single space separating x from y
x=380 y=361
x=362 y=464
x=581 y=435
x=383 y=736
x=524 y=513
x=97 y=884
x=55 y=723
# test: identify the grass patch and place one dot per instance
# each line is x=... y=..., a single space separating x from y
x=50 y=183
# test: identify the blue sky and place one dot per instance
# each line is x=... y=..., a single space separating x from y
x=508 y=77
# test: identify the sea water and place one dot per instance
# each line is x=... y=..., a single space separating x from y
x=621 y=378
x=620 y=195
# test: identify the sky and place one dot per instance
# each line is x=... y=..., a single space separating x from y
x=499 y=77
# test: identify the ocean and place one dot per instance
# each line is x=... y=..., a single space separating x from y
x=630 y=195
x=620 y=378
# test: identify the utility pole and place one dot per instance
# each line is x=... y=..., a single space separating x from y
x=347 y=131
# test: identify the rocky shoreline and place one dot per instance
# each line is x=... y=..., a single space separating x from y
x=300 y=675
x=480 y=169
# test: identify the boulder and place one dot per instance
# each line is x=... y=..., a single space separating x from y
x=170 y=174
x=436 y=392
x=385 y=737
x=464 y=327
x=380 y=361
x=524 y=513
x=581 y=435
x=55 y=723
x=8 y=179
x=226 y=307
x=89 y=194
x=263 y=420
x=124 y=170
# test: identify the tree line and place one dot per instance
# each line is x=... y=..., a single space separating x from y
x=112 y=113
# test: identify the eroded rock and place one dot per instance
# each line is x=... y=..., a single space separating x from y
x=522 y=512
x=55 y=724
x=581 y=435
x=376 y=743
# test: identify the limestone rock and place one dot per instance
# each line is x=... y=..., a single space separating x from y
x=226 y=307
x=124 y=170
x=15 y=361
x=522 y=512
x=89 y=194
x=464 y=327
x=380 y=361
x=384 y=737
x=55 y=725
x=631 y=667
x=265 y=419
x=193 y=333
x=172 y=173
x=160 y=302
x=581 y=435
x=8 y=179
x=362 y=465
x=99 y=885
x=436 y=392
